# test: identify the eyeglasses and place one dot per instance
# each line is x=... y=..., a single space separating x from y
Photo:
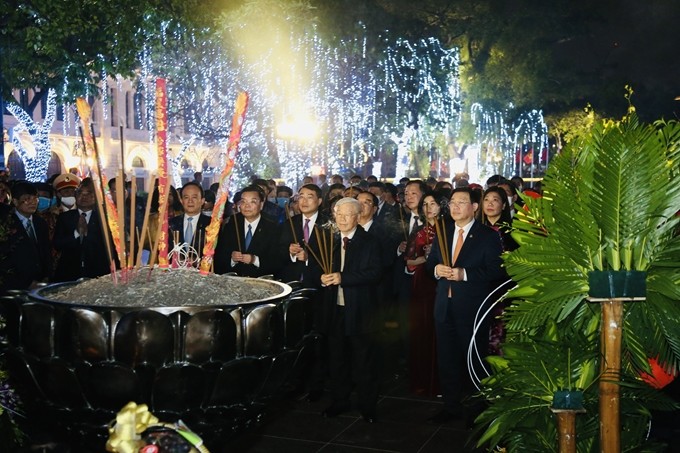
x=458 y=204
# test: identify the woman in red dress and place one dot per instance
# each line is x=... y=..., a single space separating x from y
x=423 y=363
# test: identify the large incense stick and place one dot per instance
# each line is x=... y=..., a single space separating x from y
x=120 y=211
x=145 y=223
x=290 y=222
x=86 y=135
x=133 y=198
x=238 y=236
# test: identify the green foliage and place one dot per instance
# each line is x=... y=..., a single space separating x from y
x=610 y=203
x=45 y=43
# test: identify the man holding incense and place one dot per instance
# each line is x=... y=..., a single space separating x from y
x=302 y=252
x=247 y=244
x=465 y=259
x=189 y=228
x=299 y=235
x=350 y=313
x=79 y=237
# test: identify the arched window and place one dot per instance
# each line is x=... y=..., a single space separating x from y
x=185 y=163
x=15 y=166
x=205 y=164
x=138 y=162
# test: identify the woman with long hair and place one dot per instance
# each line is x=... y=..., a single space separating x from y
x=423 y=373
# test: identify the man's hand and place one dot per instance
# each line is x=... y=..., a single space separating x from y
x=455 y=274
x=298 y=252
x=331 y=279
x=402 y=247
x=244 y=258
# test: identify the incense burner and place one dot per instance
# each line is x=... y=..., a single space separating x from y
x=75 y=365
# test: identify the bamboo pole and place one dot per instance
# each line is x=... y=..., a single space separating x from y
x=610 y=416
x=566 y=428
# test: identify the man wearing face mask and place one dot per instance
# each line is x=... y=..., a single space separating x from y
x=65 y=187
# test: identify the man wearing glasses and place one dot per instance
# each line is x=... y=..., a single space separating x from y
x=248 y=243
x=464 y=272
x=25 y=258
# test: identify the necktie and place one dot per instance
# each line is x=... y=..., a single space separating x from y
x=305 y=230
x=341 y=293
x=413 y=225
x=249 y=236
x=30 y=231
x=189 y=232
x=459 y=245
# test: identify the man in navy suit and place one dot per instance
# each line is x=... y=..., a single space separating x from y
x=350 y=313
x=248 y=243
x=25 y=257
x=475 y=262
x=192 y=222
x=79 y=237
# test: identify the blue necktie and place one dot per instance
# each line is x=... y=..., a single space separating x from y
x=189 y=232
x=249 y=236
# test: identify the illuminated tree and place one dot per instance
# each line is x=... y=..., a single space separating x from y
x=36 y=160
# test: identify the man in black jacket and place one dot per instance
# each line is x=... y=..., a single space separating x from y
x=25 y=257
x=349 y=313
x=79 y=237
x=247 y=244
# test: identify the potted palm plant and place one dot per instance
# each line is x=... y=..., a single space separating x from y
x=609 y=206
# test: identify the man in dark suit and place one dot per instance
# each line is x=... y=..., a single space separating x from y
x=192 y=222
x=350 y=317
x=462 y=286
x=25 y=257
x=247 y=244
x=79 y=237
x=298 y=237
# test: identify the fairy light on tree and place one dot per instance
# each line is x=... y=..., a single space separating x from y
x=420 y=85
x=36 y=160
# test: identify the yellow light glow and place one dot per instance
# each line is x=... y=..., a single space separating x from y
x=299 y=128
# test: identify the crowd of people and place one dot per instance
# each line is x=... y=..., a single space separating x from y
x=416 y=259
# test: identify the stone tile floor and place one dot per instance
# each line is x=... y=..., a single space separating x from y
x=297 y=426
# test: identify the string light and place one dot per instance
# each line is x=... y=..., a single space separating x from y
x=36 y=162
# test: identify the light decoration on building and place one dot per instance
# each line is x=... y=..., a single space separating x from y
x=35 y=160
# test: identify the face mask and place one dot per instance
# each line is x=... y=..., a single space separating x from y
x=68 y=201
x=510 y=202
x=282 y=202
x=208 y=213
x=44 y=203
